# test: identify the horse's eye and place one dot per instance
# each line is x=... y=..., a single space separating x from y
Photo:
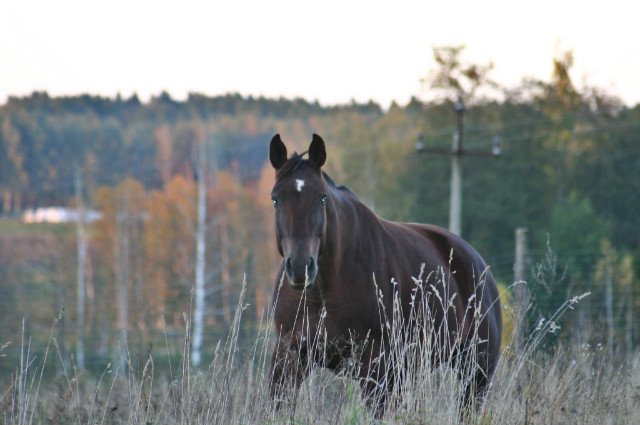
x=323 y=199
x=275 y=201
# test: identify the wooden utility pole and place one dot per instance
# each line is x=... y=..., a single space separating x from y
x=455 y=199
x=457 y=151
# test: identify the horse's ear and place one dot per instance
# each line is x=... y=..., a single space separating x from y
x=277 y=152
x=317 y=152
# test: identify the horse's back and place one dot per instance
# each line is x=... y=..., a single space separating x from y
x=472 y=275
x=463 y=260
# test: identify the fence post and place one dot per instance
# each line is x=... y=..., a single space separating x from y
x=520 y=290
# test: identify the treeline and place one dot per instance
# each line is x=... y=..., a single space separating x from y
x=114 y=138
x=569 y=171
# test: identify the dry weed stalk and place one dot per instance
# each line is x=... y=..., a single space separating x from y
x=574 y=384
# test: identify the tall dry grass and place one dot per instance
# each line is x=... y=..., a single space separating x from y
x=571 y=384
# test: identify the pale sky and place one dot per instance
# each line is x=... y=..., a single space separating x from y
x=331 y=51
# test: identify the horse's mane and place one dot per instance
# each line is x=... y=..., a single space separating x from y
x=331 y=183
x=296 y=161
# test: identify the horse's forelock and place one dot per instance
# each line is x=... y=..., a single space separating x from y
x=294 y=163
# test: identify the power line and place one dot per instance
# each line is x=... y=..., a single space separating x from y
x=456 y=153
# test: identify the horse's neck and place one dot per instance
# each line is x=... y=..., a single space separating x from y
x=348 y=222
x=351 y=220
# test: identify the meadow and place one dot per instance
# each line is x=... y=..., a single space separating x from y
x=540 y=380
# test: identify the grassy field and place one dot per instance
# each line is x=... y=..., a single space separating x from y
x=570 y=384
x=14 y=226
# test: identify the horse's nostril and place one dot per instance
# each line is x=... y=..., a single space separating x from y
x=288 y=266
x=312 y=264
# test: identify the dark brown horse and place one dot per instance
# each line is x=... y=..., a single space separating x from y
x=342 y=269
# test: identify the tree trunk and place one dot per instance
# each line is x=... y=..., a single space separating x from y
x=82 y=255
x=609 y=305
x=225 y=270
x=6 y=201
x=122 y=258
x=201 y=231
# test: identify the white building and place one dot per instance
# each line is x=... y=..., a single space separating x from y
x=58 y=215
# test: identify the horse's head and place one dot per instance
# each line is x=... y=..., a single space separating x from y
x=300 y=199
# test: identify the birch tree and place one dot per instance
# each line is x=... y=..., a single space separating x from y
x=200 y=265
x=82 y=256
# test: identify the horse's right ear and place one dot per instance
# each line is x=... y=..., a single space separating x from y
x=277 y=152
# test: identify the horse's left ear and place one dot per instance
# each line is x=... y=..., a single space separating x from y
x=317 y=152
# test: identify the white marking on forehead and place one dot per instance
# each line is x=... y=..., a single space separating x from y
x=299 y=185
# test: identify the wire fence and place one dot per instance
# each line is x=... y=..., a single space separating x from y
x=37 y=312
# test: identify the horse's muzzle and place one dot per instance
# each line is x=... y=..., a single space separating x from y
x=301 y=274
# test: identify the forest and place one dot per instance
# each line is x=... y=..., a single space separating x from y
x=569 y=172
